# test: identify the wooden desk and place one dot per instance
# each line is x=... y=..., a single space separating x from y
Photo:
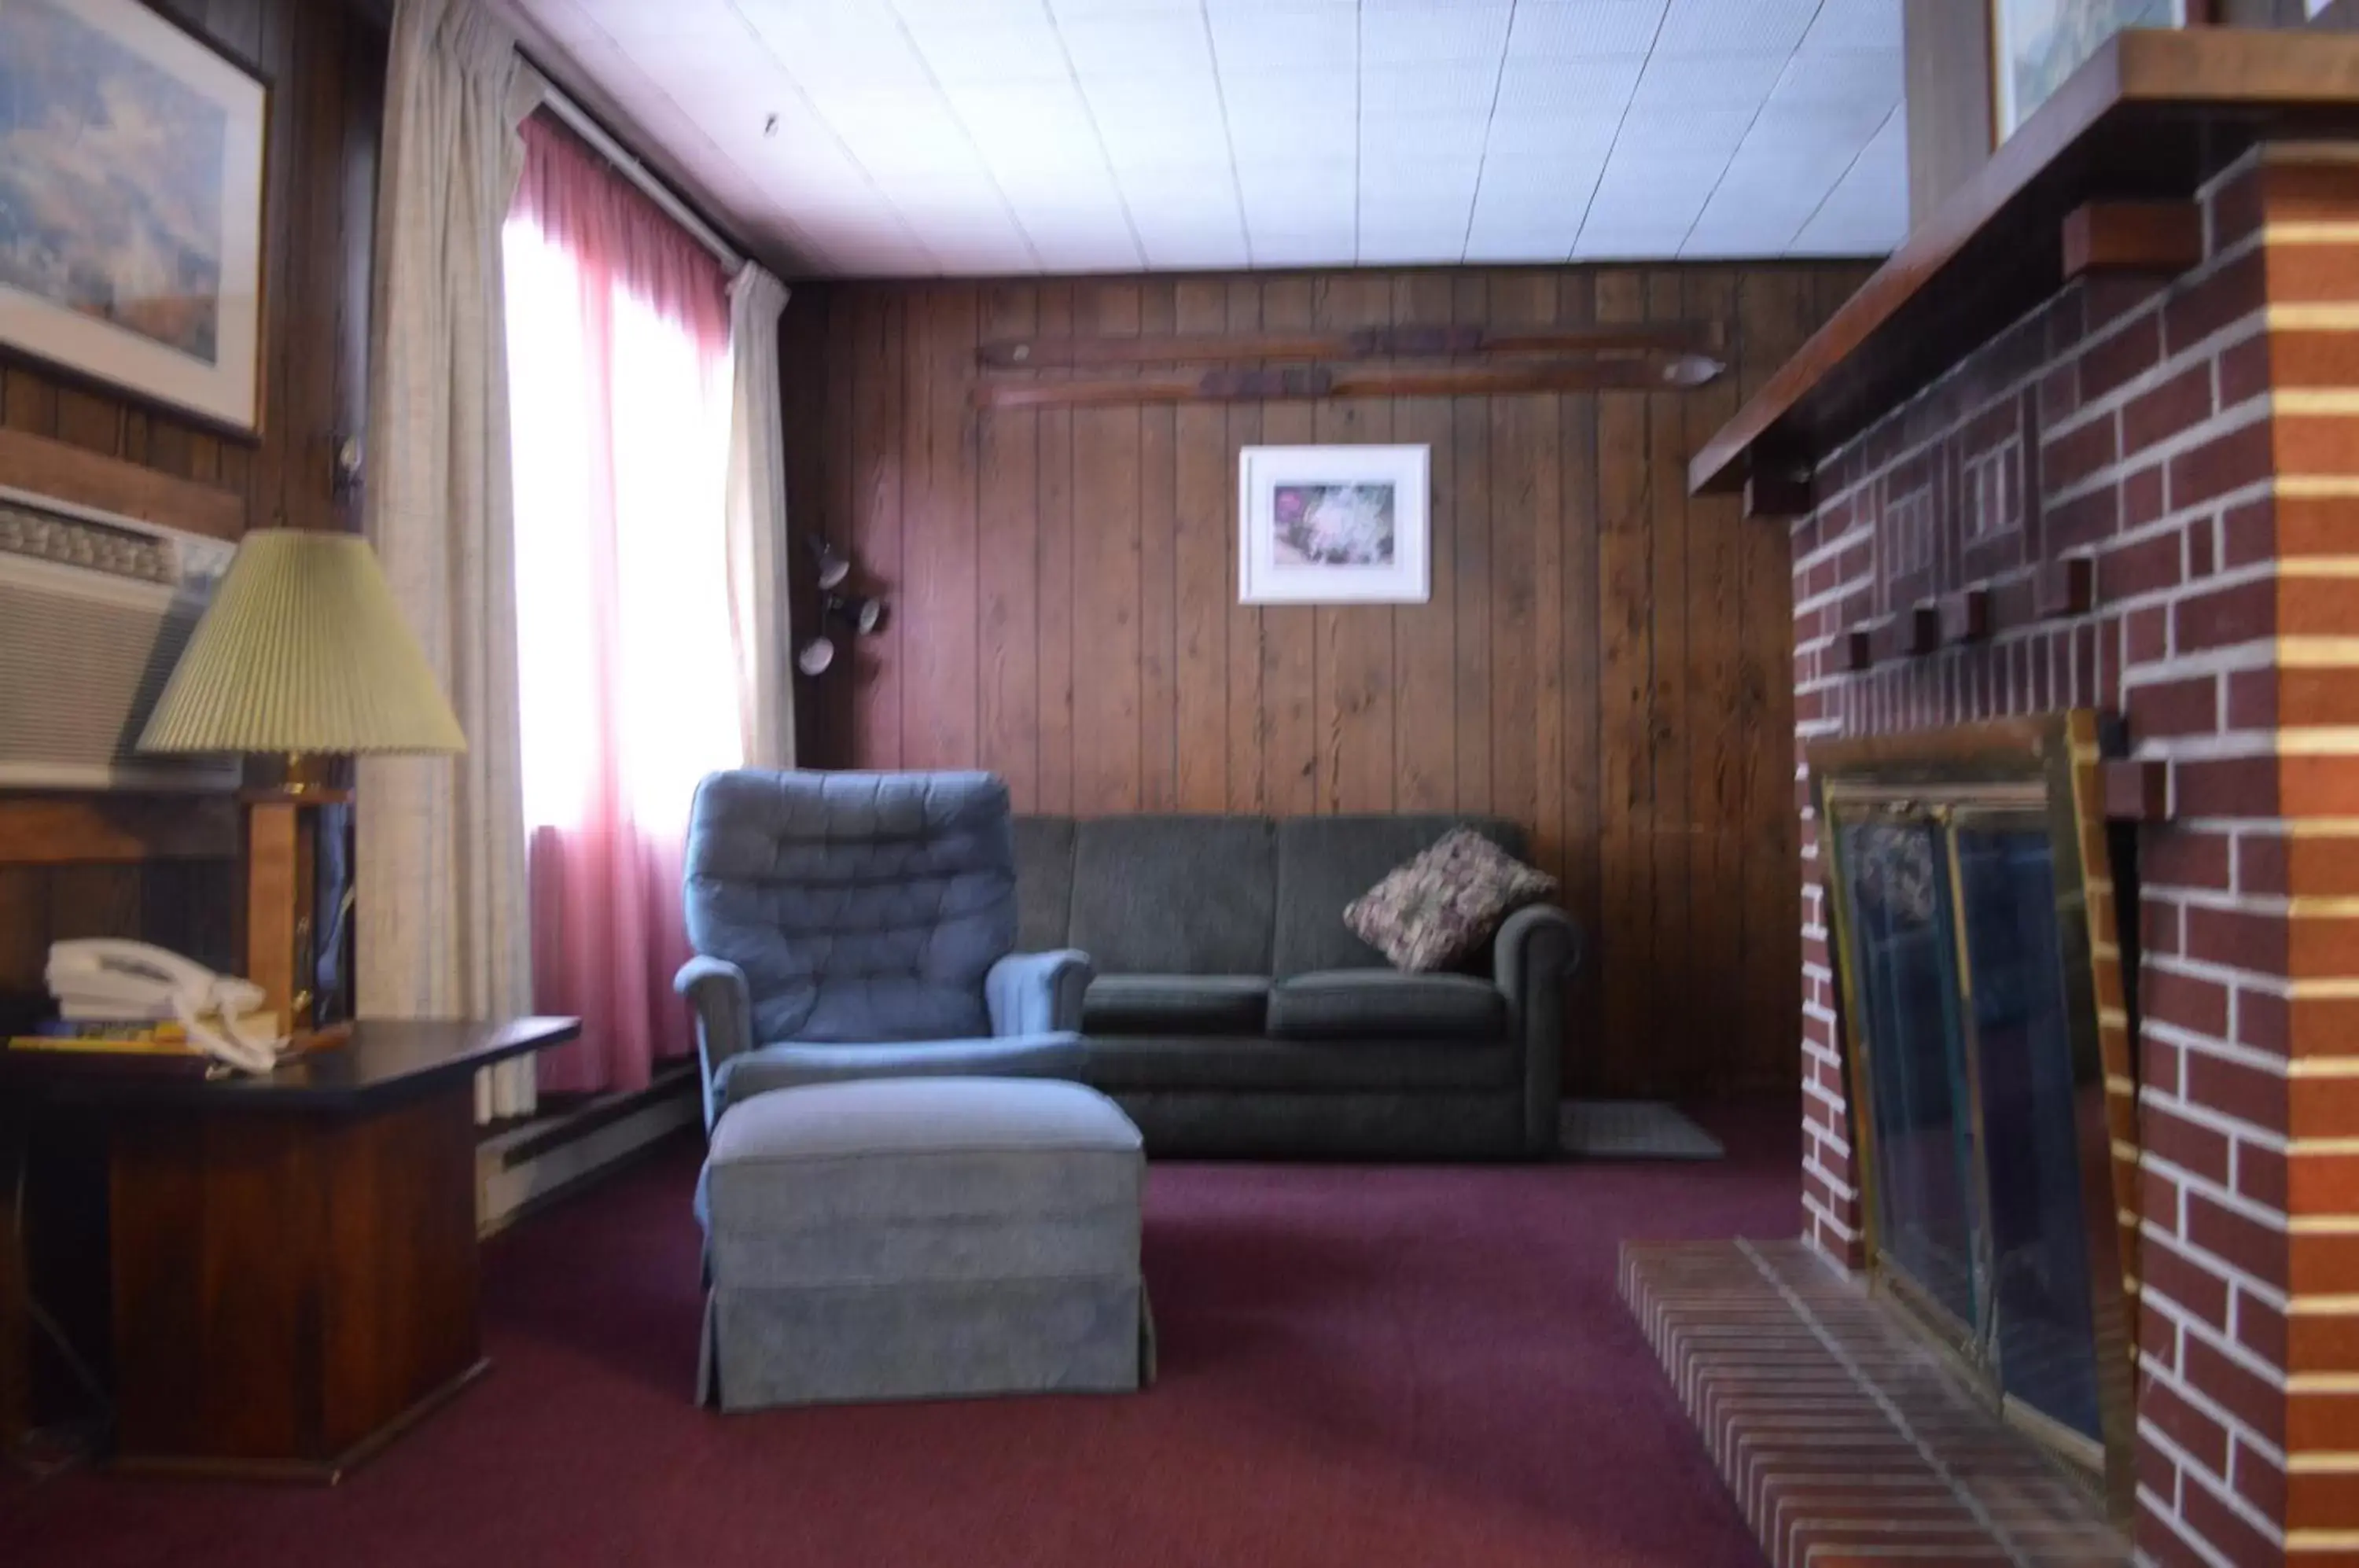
x=295 y=1271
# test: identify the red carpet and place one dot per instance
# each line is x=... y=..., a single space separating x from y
x=1361 y=1365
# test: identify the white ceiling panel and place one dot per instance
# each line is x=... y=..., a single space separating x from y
x=1844 y=76
x=919 y=136
x=1519 y=243
x=1541 y=87
x=1274 y=125
x=1389 y=91
x=1268 y=41
x=1513 y=141
x=864 y=47
x=1555 y=194
x=1654 y=188
x=1738 y=230
x=1642 y=242
x=1001 y=49
x=1176 y=44
x=1203 y=251
x=1418 y=174
x=1382 y=212
x=1692 y=134
x=1411 y=248
x=1723 y=83
x=1047 y=126
x=1078 y=190
x=1275 y=251
x=1438 y=137
x=1433 y=32
x=1723 y=27
x=1069 y=8
x=1854 y=219
x=1559 y=30
x=1853 y=24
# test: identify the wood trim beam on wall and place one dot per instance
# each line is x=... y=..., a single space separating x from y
x=1315 y=382
x=54 y=469
x=1365 y=342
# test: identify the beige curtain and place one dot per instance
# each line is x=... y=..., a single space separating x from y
x=443 y=904
x=759 y=629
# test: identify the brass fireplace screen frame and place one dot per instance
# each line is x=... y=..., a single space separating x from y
x=2045 y=768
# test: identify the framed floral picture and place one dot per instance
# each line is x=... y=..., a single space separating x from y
x=131 y=191
x=1334 y=525
x=2036 y=44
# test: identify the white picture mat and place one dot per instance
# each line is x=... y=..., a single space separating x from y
x=2014 y=23
x=1263 y=579
x=227 y=392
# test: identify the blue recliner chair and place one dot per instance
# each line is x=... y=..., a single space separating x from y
x=858 y=925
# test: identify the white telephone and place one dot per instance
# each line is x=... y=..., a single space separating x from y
x=108 y=979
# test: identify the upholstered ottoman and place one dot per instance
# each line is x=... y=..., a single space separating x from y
x=904 y=1239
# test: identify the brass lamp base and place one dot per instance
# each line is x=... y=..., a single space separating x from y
x=281 y=843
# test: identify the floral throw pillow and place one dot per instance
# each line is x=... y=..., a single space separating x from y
x=1433 y=911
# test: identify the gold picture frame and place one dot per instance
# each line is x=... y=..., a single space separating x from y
x=2036 y=45
x=133 y=173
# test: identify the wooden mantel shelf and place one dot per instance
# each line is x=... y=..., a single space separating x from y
x=2151 y=118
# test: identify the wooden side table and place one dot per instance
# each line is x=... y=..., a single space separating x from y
x=295 y=1270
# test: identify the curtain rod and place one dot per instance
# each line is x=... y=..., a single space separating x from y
x=637 y=174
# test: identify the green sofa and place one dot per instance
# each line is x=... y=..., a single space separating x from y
x=1235 y=1014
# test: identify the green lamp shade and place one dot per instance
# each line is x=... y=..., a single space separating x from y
x=303 y=649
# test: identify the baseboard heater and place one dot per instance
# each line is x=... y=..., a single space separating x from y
x=522 y=1168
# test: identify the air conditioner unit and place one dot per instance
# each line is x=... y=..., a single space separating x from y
x=94 y=610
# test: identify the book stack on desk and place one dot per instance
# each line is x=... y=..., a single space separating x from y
x=146 y=1042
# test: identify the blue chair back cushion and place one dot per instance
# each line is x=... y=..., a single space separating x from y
x=863 y=907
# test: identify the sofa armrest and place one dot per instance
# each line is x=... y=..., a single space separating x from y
x=1038 y=993
x=1537 y=953
x=725 y=1018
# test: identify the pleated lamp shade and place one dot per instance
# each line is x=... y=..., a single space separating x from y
x=303 y=649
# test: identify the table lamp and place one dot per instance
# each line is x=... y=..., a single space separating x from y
x=303 y=654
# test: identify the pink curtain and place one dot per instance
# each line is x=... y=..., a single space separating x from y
x=618 y=365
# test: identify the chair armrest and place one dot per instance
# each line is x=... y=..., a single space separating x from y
x=1537 y=952
x=725 y=1018
x=1038 y=993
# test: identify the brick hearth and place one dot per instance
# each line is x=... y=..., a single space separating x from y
x=1843 y=1439
x=2198 y=438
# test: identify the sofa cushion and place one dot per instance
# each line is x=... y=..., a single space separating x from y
x=1252 y=1064
x=1174 y=895
x=1324 y=863
x=1176 y=1003
x=1383 y=1004
x=1436 y=910
x=1044 y=883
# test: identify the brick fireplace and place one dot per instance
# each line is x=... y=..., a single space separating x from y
x=2194 y=440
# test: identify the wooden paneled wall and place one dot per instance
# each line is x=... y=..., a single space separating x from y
x=326 y=62
x=1602 y=660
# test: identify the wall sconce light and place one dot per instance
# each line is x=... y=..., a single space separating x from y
x=865 y=613
x=830 y=568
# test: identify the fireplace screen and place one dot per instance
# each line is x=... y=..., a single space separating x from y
x=1959 y=878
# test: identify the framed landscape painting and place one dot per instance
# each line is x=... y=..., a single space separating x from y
x=1334 y=525
x=130 y=181
x=2036 y=44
